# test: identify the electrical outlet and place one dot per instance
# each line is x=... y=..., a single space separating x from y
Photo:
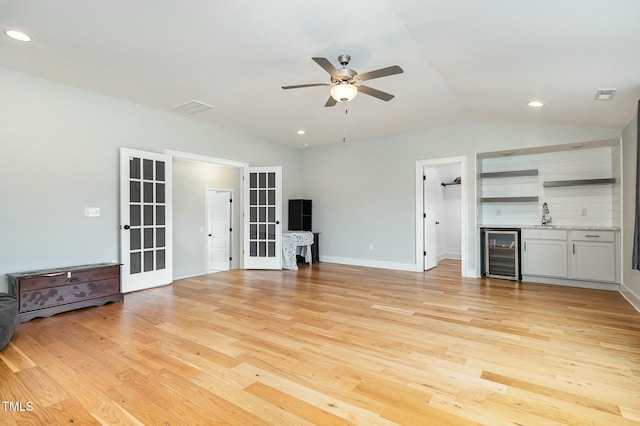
x=583 y=211
x=498 y=212
x=92 y=212
x=370 y=246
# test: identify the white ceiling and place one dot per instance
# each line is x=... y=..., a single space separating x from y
x=463 y=60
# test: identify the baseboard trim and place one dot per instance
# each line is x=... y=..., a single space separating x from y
x=455 y=256
x=185 y=277
x=572 y=283
x=631 y=297
x=369 y=263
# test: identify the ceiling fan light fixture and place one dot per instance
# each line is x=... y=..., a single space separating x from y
x=344 y=92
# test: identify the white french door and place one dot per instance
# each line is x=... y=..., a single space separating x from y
x=146 y=251
x=262 y=215
x=430 y=237
x=219 y=235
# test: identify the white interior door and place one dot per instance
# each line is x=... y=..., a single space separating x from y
x=146 y=250
x=262 y=215
x=430 y=235
x=219 y=232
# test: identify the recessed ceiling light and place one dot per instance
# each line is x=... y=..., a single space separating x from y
x=17 y=35
x=535 y=104
x=301 y=132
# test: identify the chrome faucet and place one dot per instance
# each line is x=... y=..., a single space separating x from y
x=546 y=217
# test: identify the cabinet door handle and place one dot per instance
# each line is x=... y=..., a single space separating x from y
x=525 y=246
x=592 y=236
x=574 y=248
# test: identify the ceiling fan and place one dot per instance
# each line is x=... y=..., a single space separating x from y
x=344 y=81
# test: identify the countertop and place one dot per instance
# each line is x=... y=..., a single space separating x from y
x=561 y=227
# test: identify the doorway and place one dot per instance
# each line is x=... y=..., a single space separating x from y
x=441 y=212
x=194 y=176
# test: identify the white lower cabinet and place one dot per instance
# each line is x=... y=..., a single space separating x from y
x=577 y=255
x=593 y=256
x=544 y=253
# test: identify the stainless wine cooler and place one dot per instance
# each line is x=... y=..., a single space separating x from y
x=501 y=254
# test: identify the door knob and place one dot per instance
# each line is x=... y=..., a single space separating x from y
x=126 y=227
x=277 y=222
x=209 y=234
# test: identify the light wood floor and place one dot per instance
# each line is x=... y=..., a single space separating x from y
x=330 y=345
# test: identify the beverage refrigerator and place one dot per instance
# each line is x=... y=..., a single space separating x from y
x=502 y=253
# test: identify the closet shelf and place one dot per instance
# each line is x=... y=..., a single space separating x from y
x=508 y=199
x=580 y=182
x=512 y=173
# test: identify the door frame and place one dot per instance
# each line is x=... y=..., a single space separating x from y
x=419 y=197
x=208 y=217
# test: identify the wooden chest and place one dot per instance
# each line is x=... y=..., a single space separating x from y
x=50 y=291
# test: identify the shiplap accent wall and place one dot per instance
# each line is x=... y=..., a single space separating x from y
x=585 y=205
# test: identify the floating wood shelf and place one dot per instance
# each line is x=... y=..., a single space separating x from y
x=580 y=182
x=512 y=173
x=508 y=199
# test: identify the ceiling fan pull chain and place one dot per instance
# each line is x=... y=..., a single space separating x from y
x=344 y=133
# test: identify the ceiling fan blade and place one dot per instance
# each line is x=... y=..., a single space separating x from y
x=375 y=93
x=330 y=102
x=298 y=86
x=382 y=72
x=328 y=67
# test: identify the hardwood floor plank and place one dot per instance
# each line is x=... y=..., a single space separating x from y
x=233 y=393
x=333 y=344
x=15 y=359
x=312 y=397
x=43 y=387
x=295 y=406
x=70 y=411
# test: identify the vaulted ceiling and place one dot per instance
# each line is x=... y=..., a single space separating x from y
x=463 y=60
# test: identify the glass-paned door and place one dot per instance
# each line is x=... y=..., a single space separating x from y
x=262 y=213
x=146 y=220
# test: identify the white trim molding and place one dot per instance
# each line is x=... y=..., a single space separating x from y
x=204 y=158
x=369 y=263
x=630 y=296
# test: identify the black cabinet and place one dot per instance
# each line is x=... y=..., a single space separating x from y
x=299 y=215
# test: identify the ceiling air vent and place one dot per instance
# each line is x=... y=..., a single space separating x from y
x=605 y=94
x=192 y=107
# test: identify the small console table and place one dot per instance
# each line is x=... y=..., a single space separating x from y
x=294 y=243
x=47 y=292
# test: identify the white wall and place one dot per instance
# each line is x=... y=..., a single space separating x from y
x=600 y=202
x=190 y=183
x=364 y=191
x=59 y=154
x=630 y=277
